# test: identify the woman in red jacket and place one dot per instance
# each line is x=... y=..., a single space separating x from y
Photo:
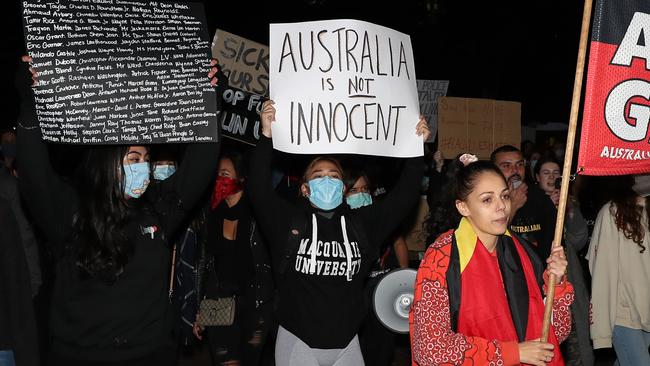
x=479 y=289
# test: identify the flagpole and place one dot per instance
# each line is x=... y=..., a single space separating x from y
x=568 y=157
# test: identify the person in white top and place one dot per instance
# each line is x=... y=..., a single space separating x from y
x=619 y=262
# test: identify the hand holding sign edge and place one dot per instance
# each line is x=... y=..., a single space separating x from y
x=218 y=80
x=267 y=116
x=25 y=80
x=422 y=129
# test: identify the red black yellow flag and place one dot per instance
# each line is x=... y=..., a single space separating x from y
x=616 y=121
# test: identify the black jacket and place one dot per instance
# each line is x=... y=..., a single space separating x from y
x=130 y=318
x=226 y=271
x=17 y=321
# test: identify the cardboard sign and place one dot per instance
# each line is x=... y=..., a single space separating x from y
x=246 y=63
x=615 y=137
x=477 y=126
x=343 y=86
x=428 y=92
x=114 y=72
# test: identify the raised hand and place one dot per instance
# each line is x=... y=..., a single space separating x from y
x=267 y=117
x=422 y=128
x=28 y=60
x=213 y=71
x=518 y=195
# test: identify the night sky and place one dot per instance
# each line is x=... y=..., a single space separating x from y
x=524 y=51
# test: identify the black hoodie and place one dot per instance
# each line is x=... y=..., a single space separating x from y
x=321 y=292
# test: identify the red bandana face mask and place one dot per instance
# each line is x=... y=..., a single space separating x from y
x=224 y=187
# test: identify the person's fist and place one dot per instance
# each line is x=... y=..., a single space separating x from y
x=422 y=128
x=267 y=116
x=535 y=352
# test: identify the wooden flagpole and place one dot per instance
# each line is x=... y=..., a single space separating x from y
x=568 y=157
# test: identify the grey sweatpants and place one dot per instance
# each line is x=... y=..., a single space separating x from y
x=291 y=351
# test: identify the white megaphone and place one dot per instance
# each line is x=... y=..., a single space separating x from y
x=393 y=297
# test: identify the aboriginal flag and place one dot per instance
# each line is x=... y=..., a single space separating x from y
x=616 y=124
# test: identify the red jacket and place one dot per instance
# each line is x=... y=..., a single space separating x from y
x=433 y=342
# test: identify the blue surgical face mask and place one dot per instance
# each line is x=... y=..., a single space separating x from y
x=162 y=172
x=136 y=179
x=326 y=193
x=359 y=199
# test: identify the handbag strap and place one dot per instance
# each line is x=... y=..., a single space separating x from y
x=171 y=274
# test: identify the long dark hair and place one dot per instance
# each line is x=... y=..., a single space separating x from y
x=351 y=176
x=629 y=213
x=101 y=246
x=239 y=162
x=444 y=216
x=466 y=177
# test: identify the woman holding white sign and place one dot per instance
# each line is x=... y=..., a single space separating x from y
x=111 y=239
x=322 y=252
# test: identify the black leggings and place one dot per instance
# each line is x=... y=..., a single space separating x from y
x=244 y=340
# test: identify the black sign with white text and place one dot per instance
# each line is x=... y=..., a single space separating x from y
x=121 y=72
x=239 y=117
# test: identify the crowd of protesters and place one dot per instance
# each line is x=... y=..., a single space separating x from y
x=109 y=265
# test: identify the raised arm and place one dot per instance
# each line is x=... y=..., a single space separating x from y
x=50 y=200
x=271 y=211
x=199 y=165
x=385 y=216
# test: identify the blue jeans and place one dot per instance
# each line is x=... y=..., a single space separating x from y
x=7 y=358
x=631 y=346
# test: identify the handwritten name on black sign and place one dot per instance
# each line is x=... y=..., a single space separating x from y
x=121 y=72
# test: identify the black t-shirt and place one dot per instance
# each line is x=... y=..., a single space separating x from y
x=234 y=262
x=535 y=222
x=322 y=305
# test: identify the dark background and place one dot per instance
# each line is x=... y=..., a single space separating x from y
x=521 y=50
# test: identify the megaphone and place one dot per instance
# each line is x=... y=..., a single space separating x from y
x=393 y=297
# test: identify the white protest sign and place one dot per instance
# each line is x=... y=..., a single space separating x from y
x=429 y=91
x=343 y=86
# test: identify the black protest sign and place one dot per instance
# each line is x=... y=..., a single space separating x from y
x=239 y=117
x=121 y=72
x=428 y=93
